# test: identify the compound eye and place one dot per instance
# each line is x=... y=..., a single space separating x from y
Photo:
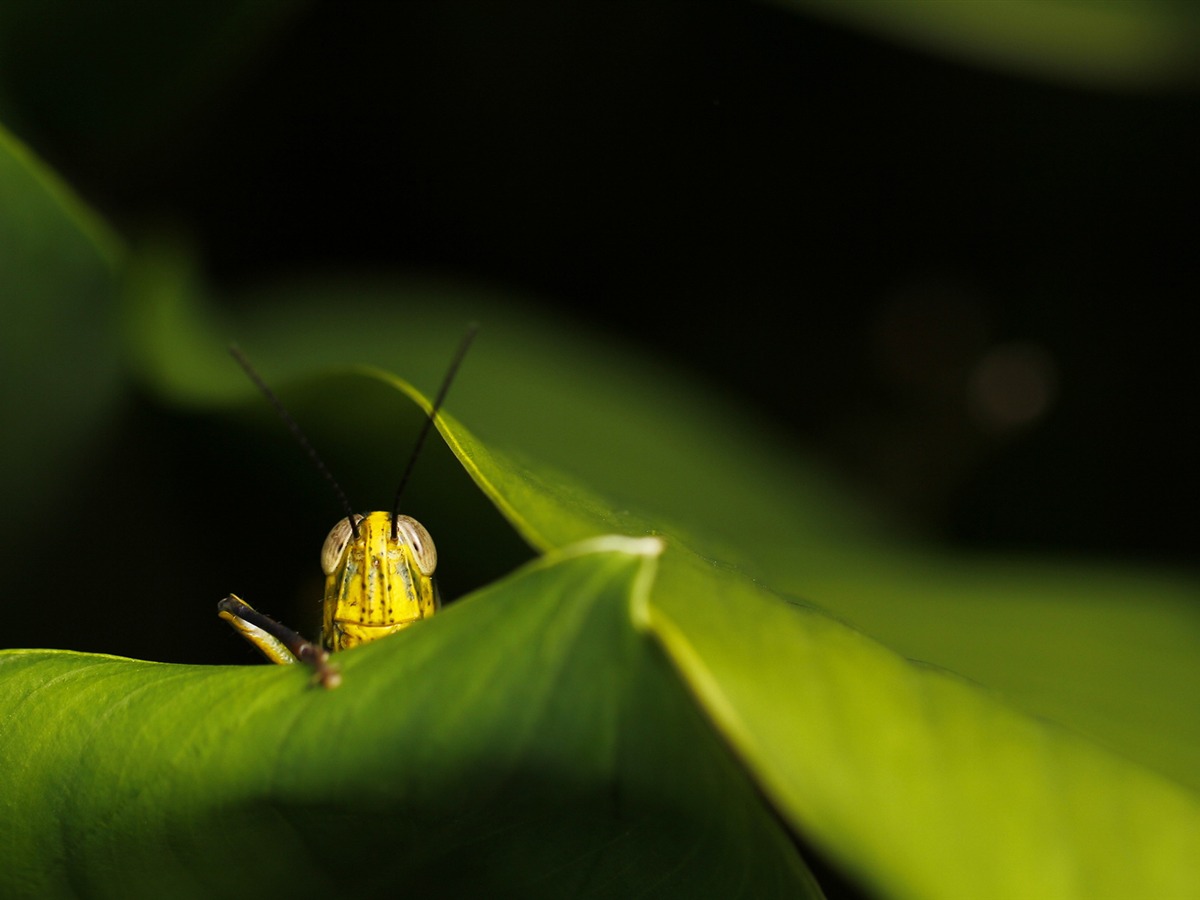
x=413 y=533
x=335 y=545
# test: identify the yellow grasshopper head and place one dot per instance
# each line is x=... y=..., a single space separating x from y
x=378 y=578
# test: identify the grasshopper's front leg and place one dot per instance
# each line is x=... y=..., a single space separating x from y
x=277 y=642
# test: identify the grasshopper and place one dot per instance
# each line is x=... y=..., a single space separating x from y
x=378 y=566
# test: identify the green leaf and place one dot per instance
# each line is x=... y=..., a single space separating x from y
x=913 y=779
x=850 y=742
x=854 y=744
x=526 y=742
x=920 y=783
x=1108 y=650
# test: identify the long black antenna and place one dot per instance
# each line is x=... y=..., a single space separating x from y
x=437 y=404
x=296 y=433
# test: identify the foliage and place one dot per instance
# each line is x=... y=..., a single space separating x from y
x=568 y=728
x=683 y=659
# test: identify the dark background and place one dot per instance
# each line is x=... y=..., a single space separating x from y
x=969 y=287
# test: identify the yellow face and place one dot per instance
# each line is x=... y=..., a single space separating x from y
x=376 y=584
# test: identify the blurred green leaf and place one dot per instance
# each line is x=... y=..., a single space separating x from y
x=59 y=378
x=1113 y=43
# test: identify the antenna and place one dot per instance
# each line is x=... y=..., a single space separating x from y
x=437 y=404
x=296 y=433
